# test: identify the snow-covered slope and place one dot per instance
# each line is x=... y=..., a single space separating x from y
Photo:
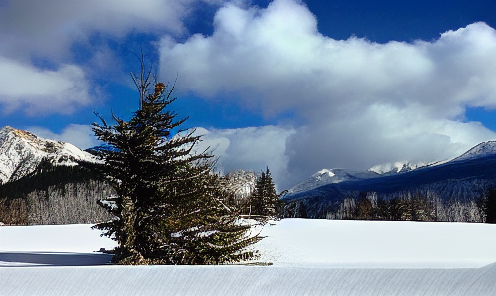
x=301 y=243
x=329 y=176
x=397 y=167
x=481 y=150
x=21 y=152
x=310 y=257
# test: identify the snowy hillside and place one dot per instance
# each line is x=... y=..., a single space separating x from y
x=21 y=152
x=397 y=167
x=390 y=176
x=329 y=176
x=310 y=257
x=298 y=243
x=333 y=176
x=481 y=150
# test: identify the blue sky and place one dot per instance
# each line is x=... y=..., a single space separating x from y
x=295 y=85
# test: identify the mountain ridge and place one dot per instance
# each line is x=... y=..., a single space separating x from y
x=21 y=152
x=483 y=149
x=455 y=189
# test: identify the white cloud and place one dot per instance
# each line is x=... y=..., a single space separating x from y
x=40 y=91
x=37 y=53
x=363 y=103
x=293 y=66
x=80 y=136
x=381 y=134
x=251 y=148
x=49 y=27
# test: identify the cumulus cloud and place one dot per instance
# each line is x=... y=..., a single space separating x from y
x=78 y=135
x=49 y=27
x=38 y=91
x=293 y=66
x=37 y=52
x=362 y=103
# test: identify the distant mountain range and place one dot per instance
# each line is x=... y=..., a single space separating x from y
x=21 y=152
x=463 y=178
x=330 y=176
x=42 y=183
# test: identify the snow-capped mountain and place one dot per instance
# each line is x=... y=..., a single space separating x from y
x=457 y=184
x=481 y=150
x=397 y=167
x=329 y=176
x=333 y=176
x=21 y=152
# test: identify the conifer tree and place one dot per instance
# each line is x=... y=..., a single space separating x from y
x=264 y=200
x=168 y=207
x=489 y=205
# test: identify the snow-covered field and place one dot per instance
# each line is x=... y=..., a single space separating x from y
x=379 y=244
x=310 y=257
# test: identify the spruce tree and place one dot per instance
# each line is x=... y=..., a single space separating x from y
x=271 y=199
x=264 y=200
x=256 y=198
x=168 y=206
x=489 y=205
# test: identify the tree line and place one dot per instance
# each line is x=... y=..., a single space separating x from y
x=252 y=196
x=417 y=205
x=53 y=195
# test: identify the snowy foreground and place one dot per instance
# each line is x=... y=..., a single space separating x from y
x=310 y=257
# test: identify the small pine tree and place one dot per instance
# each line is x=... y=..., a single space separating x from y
x=264 y=201
x=271 y=199
x=168 y=207
x=364 y=207
x=302 y=210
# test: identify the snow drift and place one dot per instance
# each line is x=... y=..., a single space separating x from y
x=310 y=257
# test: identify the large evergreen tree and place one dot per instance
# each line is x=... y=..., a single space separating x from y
x=168 y=207
x=264 y=201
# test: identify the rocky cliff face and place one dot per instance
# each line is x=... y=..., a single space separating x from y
x=57 y=192
x=21 y=152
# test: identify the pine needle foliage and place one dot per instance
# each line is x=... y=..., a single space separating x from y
x=168 y=206
x=489 y=205
x=264 y=201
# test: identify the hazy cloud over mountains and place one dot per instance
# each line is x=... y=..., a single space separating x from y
x=251 y=148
